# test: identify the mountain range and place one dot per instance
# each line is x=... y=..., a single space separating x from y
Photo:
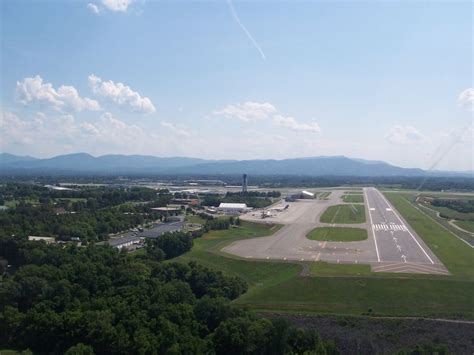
x=82 y=163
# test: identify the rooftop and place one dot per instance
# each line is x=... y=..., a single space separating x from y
x=233 y=205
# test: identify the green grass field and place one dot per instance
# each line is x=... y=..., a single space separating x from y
x=466 y=225
x=337 y=234
x=353 y=198
x=452 y=214
x=345 y=289
x=345 y=214
x=191 y=218
x=400 y=296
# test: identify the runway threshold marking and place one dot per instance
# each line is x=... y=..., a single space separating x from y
x=409 y=232
x=372 y=224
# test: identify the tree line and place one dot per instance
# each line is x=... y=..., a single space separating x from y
x=97 y=300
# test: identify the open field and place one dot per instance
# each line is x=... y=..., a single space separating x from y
x=337 y=234
x=434 y=215
x=353 y=198
x=452 y=214
x=344 y=214
x=357 y=295
x=466 y=225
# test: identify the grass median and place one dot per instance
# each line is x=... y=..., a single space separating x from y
x=337 y=234
x=344 y=214
x=352 y=198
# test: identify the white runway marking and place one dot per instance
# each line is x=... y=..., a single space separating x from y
x=390 y=227
x=399 y=218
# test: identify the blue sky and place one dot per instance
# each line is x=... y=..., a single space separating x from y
x=377 y=80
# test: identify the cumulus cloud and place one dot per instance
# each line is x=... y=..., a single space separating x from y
x=176 y=130
x=93 y=8
x=117 y=5
x=256 y=111
x=112 y=130
x=59 y=133
x=292 y=123
x=466 y=99
x=247 y=111
x=121 y=94
x=405 y=135
x=65 y=98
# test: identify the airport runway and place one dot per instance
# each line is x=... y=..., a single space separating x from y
x=391 y=245
x=395 y=241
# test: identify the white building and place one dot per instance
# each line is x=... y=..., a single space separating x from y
x=306 y=194
x=35 y=238
x=233 y=208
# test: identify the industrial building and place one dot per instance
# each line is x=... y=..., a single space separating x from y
x=233 y=208
x=300 y=195
x=125 y=242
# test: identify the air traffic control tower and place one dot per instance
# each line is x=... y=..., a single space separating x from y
x=244 y=183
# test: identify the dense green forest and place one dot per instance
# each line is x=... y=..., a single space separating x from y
x=88 y=214
x=463 y=206
x=56 y=300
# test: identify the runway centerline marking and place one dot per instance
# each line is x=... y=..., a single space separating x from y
x=372 y=224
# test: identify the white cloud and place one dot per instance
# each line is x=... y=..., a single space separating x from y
x=112 y=130
x=247 y=112
x=121 y=94
x=93 y=8
x=117 y=5
x=292 y=123
x=466 y=99
x=65 y=98
x=405 y=135
x=176 y=130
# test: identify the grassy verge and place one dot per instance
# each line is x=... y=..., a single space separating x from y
x=351 y=198
x=456 y=256
x=321 y=268
x=337 y=234
x=359 y=295
x=466 y=225
x=258 y=274
x=195 y=219
x=345 y=214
